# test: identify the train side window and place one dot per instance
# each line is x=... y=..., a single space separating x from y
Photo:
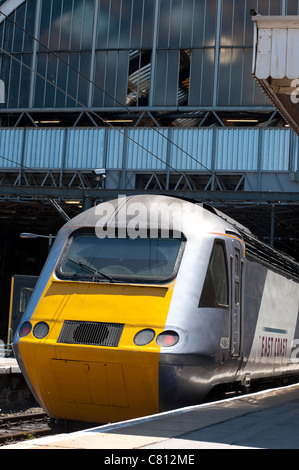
x=215 y=289
x=236 y=264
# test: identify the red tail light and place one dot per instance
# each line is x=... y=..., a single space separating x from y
x=167 y=339
x=25 y=329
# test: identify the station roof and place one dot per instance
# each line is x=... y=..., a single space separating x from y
x=276 y=65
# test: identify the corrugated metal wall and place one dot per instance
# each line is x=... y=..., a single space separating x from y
x=253 y=150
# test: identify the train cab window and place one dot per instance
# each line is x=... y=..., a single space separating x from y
x=138 y=260
x=215 y=289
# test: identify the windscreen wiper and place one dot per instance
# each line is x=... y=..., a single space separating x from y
x=93 y=270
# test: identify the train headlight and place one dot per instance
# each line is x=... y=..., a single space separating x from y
x=144 y=337
x=41 y=330
x=167 y=338
x=25 y=329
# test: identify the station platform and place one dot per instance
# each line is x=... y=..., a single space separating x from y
x=263 y=420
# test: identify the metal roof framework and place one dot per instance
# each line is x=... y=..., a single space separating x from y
x=232 y=200
x=179 y=112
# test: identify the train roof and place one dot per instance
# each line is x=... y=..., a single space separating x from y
x=215 y=221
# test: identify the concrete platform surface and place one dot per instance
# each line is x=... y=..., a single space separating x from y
x=9 y=366
x=264 y=420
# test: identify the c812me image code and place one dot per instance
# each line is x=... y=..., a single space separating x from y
x=142 y=458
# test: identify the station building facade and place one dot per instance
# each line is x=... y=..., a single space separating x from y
x=158 y=94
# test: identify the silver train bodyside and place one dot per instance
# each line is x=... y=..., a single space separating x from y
x=252 y=336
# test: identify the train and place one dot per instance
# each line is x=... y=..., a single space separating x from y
x=147 y=303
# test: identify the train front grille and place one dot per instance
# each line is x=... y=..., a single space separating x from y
x=91 y=333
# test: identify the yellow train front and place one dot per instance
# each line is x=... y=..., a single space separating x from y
x=86 y=343
x=89 y=370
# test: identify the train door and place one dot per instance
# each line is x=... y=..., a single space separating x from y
x=21 y=290
x=236 y=298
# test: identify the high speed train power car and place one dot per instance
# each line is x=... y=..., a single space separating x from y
x=148 y=302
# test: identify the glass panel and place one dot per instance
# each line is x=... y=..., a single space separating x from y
x=201 y=77
x=134 y=260
x=137 y=24
x=175 y=22
x=224 y=76
x=139 y=78
x=122 y=37
x=6 y=32
x=204 y=22
x=233 y=20
x=83 y=29
x=214 y=293
x=25 y=295
x=274 y=7
x=18 y=32
x=165 y=8
x=103 y=24
x=40 y=84
x=73 y=78
x=166 y=80
x=125 y=24
x=16 y=39
x=12 y=37
x=237 y=25
x=16 y=79
x=62 y=81
x=29 y=25
x=184 y=77
x=4 y=72
x=66 y=24
x=114 y=24
x=292 y=7
x=148 y=25
x=187 y=23
x=111 y=75
x=45 y=23
x=65 y=77
x=56 y=19
x=218 y=273
x=78 y=86
x=122 y=78
x=236 y=86
x=236 y=264
x=83 y=83
x=188 y=11
x=24 y=84
x=51 y=75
